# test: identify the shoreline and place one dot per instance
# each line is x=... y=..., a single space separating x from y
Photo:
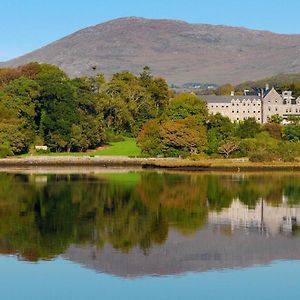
x=235 y=165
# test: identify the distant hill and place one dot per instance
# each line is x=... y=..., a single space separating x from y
x=279 y=81
x=176 y=50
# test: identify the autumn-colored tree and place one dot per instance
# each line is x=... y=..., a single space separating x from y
x=275 y=130
x=225 y=90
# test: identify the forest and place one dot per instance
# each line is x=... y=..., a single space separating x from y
x=41 y=105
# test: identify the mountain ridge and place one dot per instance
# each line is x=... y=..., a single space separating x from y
x=179 y=51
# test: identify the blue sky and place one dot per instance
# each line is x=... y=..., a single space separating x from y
x=26 y=25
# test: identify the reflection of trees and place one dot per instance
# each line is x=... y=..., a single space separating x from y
x=41 y=218
x=180 y=199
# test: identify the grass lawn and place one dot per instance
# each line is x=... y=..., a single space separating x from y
x=127 y=147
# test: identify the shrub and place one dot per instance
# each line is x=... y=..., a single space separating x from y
x=112 y=137
x=41 y=151
x=263 y=156
x=5 y=151
x=274 y=130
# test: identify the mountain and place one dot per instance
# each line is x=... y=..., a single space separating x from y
x=176 y=50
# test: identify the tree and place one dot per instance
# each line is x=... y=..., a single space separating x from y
x=185 y=105
x=291 y=132
x=149 y=138
x=274 y=129
x=183 y=137
x=57 y=105
x=220 y=128
x=229 y=147
x=173 y=138
x=225 y=89
x=277 y=119
x=248 y=128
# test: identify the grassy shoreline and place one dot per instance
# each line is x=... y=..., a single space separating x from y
x=148 y=163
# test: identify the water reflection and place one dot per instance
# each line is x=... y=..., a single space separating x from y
x=151 y=223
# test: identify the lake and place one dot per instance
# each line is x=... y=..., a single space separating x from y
x=117 y=234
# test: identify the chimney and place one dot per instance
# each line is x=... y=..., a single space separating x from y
x=232 y=93
x=267 y=87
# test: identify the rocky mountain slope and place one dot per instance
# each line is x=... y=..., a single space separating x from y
x=176 y=50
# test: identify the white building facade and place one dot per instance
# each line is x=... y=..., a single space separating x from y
x=261 y=106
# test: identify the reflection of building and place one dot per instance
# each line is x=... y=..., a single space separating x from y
x=260 y=105
x=265 y=217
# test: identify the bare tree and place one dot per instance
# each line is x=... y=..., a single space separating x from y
x=229 y=147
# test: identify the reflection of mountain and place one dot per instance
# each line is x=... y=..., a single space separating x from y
x=209 y=249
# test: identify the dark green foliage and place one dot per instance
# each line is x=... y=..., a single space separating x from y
x=5 y=151
x=248 y=128
x=291 y=132
x=186 y=105
x=220 y=129
x=73 y=115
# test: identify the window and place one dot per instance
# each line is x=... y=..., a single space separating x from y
x=276 y=109
x=233 y=111
x=254 y=111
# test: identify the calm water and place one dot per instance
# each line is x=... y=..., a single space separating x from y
x=147 y=235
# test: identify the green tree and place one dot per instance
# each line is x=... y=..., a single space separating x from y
x=185 y=105
x=248 y=128
x=277 y=119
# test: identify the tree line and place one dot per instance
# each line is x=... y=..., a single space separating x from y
x=186 y=128
x=41 y=105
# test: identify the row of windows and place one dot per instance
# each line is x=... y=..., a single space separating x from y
x=238 y=119
x=220 y=106
x=244 y=104
x=223 y=106
x=288 y=110
x=253 y=112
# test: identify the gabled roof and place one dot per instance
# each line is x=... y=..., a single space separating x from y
x=226 y=99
